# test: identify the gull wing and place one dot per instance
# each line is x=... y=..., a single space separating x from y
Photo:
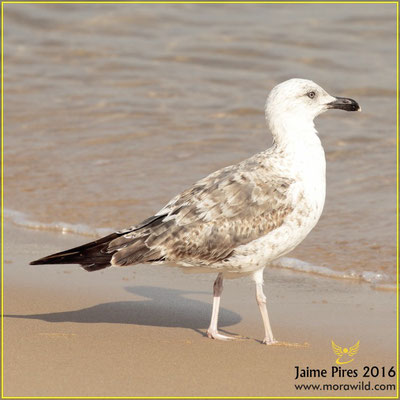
x=205 y=223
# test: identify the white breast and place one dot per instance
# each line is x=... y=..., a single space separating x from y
x=308 y=196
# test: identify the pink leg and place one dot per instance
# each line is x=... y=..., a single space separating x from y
x=212 y=331
x=262 y=304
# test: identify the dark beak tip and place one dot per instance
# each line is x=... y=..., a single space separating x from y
x=354 y=107
x=346 y=104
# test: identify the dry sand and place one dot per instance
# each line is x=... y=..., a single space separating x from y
x=140 y=331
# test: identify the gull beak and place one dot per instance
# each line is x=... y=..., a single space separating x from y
x=343 y=103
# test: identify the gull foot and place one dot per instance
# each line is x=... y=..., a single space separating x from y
x=269 y=341
x=219 y=336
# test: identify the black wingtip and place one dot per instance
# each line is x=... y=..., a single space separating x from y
x=41 y=261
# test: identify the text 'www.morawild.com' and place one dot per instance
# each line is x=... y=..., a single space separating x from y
x=346 y=386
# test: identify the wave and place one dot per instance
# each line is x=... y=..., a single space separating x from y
x=377 y=279
x=21 y=219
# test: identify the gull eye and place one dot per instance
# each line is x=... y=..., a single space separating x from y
x=311 y=95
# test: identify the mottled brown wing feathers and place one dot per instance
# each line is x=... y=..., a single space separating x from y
x=205 y=223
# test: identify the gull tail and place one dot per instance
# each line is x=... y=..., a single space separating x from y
x=91 y=256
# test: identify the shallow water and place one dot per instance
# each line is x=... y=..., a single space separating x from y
x=112 y=109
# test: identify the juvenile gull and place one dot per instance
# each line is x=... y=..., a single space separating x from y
x=237 y=220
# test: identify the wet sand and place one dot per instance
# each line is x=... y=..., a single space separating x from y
x=140 y=331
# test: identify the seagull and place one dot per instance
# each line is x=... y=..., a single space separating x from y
x=237 y=220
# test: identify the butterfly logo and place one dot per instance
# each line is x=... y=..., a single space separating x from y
x=345 y=352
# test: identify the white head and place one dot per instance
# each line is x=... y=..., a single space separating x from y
x=296 y=102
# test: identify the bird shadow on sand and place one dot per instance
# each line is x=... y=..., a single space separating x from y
x=161 y=307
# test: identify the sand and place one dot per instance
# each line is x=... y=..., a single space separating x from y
x=140 y=331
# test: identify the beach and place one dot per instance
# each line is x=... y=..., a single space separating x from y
x=140 y=331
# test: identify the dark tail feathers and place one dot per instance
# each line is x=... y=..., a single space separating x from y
x=92 y=256
x=95 y=255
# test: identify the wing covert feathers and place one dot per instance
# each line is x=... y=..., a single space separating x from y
x=207 y=222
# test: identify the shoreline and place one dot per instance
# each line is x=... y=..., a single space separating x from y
x=140 y=331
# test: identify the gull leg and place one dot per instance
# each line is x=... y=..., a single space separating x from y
x=212 y=331
x=262 y=304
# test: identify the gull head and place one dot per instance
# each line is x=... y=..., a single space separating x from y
x=302 y=100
